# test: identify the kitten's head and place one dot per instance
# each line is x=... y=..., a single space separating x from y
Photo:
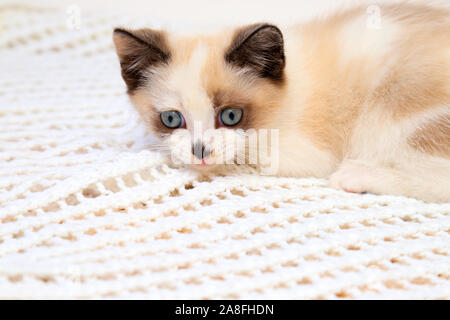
x=203 y=96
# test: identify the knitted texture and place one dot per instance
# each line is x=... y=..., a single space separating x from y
x=87 y=211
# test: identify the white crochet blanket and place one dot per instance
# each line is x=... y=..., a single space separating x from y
x=87 y=212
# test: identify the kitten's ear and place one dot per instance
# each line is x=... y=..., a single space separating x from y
x=138 y=50
x=260 y=48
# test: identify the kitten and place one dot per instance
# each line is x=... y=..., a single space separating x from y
x=364 y=104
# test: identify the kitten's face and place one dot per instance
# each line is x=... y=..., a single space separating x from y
x=202 y=96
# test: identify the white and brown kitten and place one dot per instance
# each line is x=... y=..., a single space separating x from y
x=366 y=106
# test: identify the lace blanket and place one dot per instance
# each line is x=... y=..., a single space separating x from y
x=87 y=211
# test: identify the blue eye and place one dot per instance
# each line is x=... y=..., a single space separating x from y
x=230 y=116
x=172 y=119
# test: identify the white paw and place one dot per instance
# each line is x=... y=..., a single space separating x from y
x=353 y=176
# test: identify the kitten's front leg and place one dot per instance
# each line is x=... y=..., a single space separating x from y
x=356 y=177
x=426 y=179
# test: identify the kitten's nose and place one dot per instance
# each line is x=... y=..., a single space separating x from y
x=199 y=150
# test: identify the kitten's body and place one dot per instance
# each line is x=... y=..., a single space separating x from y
x=366 y=105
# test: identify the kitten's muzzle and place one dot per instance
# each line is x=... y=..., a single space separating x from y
x=200 y=151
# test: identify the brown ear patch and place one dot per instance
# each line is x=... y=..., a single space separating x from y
x=138 y=50
x=259 y=47
x=433 y=138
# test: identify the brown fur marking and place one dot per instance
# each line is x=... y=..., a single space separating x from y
x=137 y=51
x=434 y=138
x=259 y=47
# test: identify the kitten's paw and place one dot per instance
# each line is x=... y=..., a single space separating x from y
x=352 y=176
